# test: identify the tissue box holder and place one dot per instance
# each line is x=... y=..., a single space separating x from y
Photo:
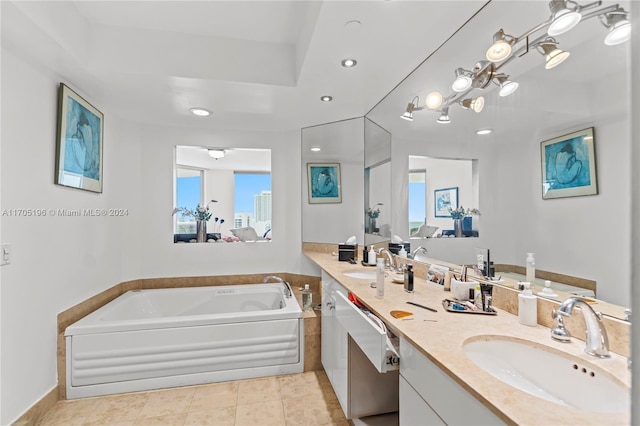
x=347 y=251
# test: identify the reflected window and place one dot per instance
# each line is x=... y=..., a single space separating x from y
x=417 y=199
x=252 y=195
x=188 y=193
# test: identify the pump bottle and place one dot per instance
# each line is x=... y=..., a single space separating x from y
x=372 y=256
x=527 y=307
x=531 y=269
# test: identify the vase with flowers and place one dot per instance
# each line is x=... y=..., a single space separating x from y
x=372 y=215
x=458 y=215
x=201 y=216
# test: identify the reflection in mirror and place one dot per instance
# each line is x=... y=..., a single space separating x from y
x=377 y=183
x=578 y=236
x=231 y=186
x=429 y=179
x=340 y=143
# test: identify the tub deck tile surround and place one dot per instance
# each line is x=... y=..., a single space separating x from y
x=442 y=343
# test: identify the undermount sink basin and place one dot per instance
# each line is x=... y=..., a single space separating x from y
x=363 y=275
x=549 y=374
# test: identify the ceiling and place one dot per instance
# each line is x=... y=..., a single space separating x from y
x=257 y=65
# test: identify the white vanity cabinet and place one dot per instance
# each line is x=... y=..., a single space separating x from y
x=428 y=396
x=362 y=389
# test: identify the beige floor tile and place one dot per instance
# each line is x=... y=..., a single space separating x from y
x=269 y=413
x=222 y=416
x=217 y=395
x=121 y=407
x=258 y=390
x=312 y=412
x=301 y=385
x=166 y=420
x=168 y=402
x=70 y=412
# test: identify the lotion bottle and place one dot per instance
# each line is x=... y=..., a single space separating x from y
x=531 y=268
x=307 y=298
x=527 y=307
x=372 y=256
x=380 y=279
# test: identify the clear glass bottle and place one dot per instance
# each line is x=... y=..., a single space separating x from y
x=307 y=298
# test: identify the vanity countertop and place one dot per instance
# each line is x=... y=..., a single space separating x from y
x=442 y=343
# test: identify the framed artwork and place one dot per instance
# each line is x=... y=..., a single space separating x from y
x=569 y=165
x=445 y=199
x=324 y=183
x=79 y=142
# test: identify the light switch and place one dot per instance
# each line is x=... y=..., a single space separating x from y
x=5 y=254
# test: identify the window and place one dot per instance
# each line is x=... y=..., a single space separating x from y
x=188 y=193
x=417 y=199
x=252 y=195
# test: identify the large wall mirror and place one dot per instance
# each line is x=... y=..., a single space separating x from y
x=232 y=186
x=377 y=183
x=582 y=236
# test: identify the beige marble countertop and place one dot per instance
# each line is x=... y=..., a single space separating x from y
x=442 y=343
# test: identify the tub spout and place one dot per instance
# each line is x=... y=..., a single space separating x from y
x=287 y=287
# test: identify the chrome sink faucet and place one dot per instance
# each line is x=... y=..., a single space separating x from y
x=416 y=251
x=596 y=335
x=287 y=287
x=392 y=259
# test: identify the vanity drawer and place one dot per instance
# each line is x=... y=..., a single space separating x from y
x=368 y=335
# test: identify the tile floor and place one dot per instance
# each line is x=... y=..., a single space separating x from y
x=304 y=399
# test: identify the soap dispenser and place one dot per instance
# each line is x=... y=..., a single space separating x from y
x=372 y=256
x=402 y=252
x=527 y=307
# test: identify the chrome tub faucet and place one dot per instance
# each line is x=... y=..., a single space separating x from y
x=596 y=334
x=287 y=287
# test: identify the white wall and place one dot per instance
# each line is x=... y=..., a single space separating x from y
x=57 y=261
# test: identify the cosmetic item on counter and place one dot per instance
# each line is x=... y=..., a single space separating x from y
x=307 y=298
x=470 y=305
x=365 y=256
x=460 y=289
x=531 y=268
x=402 y=252
x=380 y=279
x=447 y=281
x=478 y=298
x=372 y=256
x=422 y=306
x=408 y=278
x=527 y=307
x=487 y=294
x=347 y=251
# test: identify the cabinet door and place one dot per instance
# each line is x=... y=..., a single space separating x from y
x=326 y=331
x=340 y=364
x=414 y=411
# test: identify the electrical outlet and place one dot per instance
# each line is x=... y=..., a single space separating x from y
x=5 y=254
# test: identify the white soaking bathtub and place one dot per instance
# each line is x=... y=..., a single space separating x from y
x=151 y=339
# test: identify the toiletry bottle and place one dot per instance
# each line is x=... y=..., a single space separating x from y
x=365 y=256
x=307 y=298
x=531 y=269
x=408 y=278
x=527 y=307
x=372 y=256
x=380 y=279
x=402 y=252
x=478 y=298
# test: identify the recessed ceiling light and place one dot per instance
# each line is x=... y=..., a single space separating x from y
x=484 y=131
x=326 y=98
x=316 y=149
x=201 y=112
x=349 y=63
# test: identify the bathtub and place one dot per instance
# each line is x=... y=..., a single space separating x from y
x=152 y=339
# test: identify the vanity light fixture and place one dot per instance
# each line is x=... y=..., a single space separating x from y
x=507 y=86
x=501 y=47
x=349 y=63
x=463 y=80
x=434 y=100
x=619 y=27
x=476 y=104
x=565 y=14
x=326 y=98
x=552 y=54
x=444 y=117
x=412 y=106
x=216 y=153
x=200 y=112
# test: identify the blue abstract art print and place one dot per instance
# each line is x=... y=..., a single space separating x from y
x=569 y=165
x=324 y=183
x=80 y=142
